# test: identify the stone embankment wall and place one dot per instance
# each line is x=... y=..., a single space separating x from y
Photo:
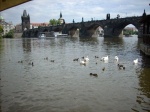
x=17 y=35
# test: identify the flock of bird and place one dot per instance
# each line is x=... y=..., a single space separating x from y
x=85 y=60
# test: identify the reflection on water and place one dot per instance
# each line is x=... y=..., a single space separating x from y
x=66 y=86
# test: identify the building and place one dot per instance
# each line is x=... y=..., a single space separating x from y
x=26 y=24
x=36 y=25
x=18 y=28
x=7 y=26
x=62 y=21
x=145 y=24
x=25 y=21
x=145 y=46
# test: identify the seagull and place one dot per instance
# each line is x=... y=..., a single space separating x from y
x=104 y=58
x=135 y=61
x=116 y=58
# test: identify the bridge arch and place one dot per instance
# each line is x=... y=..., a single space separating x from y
x=95 y=30
x=130 y=30
x=118 y=27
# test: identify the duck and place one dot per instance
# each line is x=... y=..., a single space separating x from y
x=20 y=61
x=121 y=67
x=116 y=58
x=32 y=64
x=103 y=68
x=76 y=59
x=82 y=57
x=104 y=58
x=135 y=61
x=52 y=60
x=93 y=74
x=96 y=57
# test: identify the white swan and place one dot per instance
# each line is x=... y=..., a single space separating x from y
x=82 y=62
x=104 y=58
x=86 y=59
x=135 y=61
x=116 y=58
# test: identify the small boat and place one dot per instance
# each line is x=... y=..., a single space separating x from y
x=42 y=36
x=62 y=35
x=46 y=35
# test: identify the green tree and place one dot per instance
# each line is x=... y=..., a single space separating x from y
x=54 y=22
x=58 y=22
x=1 y=31
x=10 y=34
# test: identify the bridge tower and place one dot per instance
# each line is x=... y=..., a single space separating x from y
x=25 y=21
x=108 y=17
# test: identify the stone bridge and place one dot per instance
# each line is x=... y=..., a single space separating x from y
x=111 y=27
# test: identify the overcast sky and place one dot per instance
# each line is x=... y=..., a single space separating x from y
x=44 y=10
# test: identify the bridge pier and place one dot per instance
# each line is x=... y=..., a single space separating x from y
x=74 y=33
x=112 y=32
x=95 y=32
x=89 y=32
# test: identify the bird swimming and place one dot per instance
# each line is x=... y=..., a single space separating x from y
x=103 y=68
x=104 y=58
x=52 y=60
x=135 y=61
x=76 y=59
x=121 y=67
x=82 y=62
x=116 y=58
x=93 y=74
x=86 y=59
x=96 y=57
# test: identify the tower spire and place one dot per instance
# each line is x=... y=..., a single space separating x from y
x=25 y=13
x=60 y=15
x=144 y=14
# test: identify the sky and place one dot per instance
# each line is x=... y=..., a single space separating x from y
x=41 y=11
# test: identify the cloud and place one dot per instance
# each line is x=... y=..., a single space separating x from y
x=44 y=10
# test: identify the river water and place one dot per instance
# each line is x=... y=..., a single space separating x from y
x=66 y=86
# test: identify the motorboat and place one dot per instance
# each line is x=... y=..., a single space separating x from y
x=62 y=35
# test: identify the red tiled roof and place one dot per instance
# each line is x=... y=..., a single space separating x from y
x=39 y=24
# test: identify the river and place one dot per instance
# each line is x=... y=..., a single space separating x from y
x=66 y=86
